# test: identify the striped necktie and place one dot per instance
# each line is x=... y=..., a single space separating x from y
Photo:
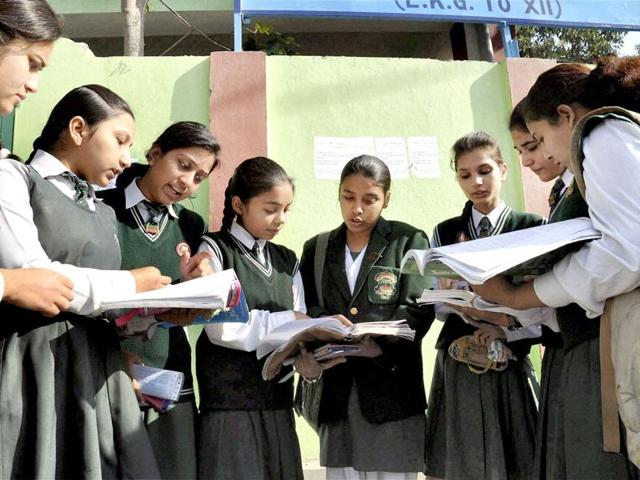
x=82 y=188
x=556 y=193
x=485 y=227
x=255 y=252
x=156 y=214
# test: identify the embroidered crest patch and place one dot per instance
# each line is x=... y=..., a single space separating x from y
x=386 y=282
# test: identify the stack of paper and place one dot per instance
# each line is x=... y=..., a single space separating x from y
x=218 y=291
x=283 y=342
x=523 y=252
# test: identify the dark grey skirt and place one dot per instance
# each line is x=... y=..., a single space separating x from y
x=372 y=447
x=249 y=445
x=67 y=408
x=479 y=426
x=574 y=449
x=173 y=438
x=548 y=413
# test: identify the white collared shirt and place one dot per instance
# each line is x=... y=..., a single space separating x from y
x=608 y=266
x=567 y=179
x=133 y=196
x=247 y=336
x=51 y=169
x=493 y=216
x=21 y=247
x=352 y=266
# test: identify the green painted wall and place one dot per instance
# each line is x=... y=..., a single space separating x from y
x=159 y=90
x=324 y=96
x=331 y=96
x=110 y=6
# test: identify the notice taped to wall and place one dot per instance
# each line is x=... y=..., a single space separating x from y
x=416 y=155
x=423 y=157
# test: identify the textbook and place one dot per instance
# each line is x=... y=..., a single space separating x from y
x=217 y=292
x=283 y=342
x=531 y=251
x=466 y=298
x=159 y=383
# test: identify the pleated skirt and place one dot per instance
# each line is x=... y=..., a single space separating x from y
x=574 y=446
x=67 y=407
x=249 y=445
x=396 y=446
x=173 y=436
x=479 y=426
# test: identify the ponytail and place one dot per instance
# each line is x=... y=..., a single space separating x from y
x=94 y=103
x=251 y=178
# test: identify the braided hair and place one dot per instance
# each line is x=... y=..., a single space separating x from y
x=251 y=178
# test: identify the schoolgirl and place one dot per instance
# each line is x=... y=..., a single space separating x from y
x=67 y=409
x=564 y=202
x=599 y=269
x=371 y=417
x=152 y=229
x=479 y=426
x=29 y=30
x=247 y=429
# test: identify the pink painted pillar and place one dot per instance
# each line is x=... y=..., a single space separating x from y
x=523 y=73
x=238 y=116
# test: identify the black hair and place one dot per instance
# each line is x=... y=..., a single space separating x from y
x=562 y=84
x=94 y=103
x=370 y=167
x=28 y=20
x=188 y=135
x=614 y=81
x=516 y=120
x=252 y=178
x=472 y=141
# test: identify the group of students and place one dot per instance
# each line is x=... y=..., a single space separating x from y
x=69 y=408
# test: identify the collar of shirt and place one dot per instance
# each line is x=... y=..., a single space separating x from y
x=245 y=237
x=567 y=179
x=51 y=169
x=133 y=196
x=493 y=215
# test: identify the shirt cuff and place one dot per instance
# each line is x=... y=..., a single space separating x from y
x=110 y=284
x=550 y=291
x=280 y=318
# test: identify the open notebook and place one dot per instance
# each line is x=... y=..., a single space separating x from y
x=283 y=342
x=530 y=251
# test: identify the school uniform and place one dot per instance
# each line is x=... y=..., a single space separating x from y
x=148 y=240
x=479 y=426
x=247 y=429
x=372 y=409
x=572 y=435
x=67 y=409
x=566 y=204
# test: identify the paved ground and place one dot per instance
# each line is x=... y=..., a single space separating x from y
x=313 y=471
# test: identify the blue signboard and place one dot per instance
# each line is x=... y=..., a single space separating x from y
x=583 y=13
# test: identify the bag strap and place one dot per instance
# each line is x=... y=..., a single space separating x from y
x=318 y=264
x=609 y=402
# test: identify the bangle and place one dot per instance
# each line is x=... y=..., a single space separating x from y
x=312 y=380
